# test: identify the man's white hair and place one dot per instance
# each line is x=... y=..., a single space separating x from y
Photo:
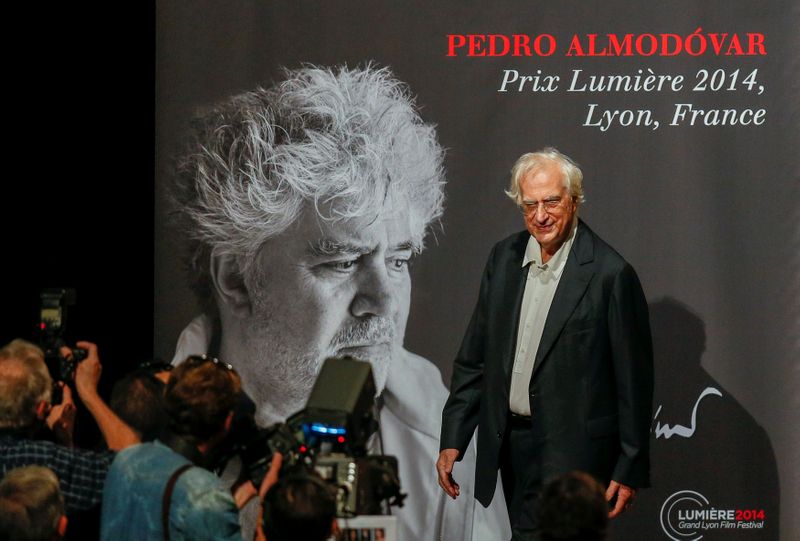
x=341 y=141
x=572 y=175
x=24 y=382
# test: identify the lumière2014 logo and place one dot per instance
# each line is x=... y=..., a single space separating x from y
x=687 y=515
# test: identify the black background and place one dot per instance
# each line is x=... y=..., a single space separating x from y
x=78 y=191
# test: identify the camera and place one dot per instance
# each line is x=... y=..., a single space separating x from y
x=52 y=326
x=255 y=446
x=362 y=484
x=329 y=436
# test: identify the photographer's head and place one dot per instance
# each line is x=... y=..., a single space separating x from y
x=22 y=349
x=31 y=505
x=25 y=385
x=138 y=399
x=300 y=506
x=572 y=507
x=304 y=204
x=199 y=399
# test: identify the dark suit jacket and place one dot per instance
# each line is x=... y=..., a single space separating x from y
x=592 y=384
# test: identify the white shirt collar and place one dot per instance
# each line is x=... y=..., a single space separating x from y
x=414 y=389
x=533 y=253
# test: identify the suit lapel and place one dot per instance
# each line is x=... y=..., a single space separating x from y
x=514 y=279
x=577 y=275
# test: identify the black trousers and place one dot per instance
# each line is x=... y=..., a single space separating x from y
x=522 y=477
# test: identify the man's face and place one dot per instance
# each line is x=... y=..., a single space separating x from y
x=324 y=290
x=548 y=208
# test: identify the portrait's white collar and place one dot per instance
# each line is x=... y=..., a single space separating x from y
x=413 y=382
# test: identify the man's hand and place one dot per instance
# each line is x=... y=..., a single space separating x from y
x=61 y=418
x=246 y=491
x=444 y=467
x=117 y=434
x=87 y=373
x=625 y=496
x=272 y=475
x=269 y=481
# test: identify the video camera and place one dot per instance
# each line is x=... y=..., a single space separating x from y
x=329 y=436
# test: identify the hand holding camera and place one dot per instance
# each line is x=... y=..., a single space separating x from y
x=61 y=418
x=88 y=370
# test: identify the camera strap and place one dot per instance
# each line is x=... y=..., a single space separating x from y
x=184 y=448
x=165 y=501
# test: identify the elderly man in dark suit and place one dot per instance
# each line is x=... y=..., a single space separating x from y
x=556 y=367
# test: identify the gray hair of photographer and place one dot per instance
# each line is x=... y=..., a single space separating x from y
x=31 y=505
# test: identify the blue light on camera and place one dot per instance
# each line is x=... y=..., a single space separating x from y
x=322 y=429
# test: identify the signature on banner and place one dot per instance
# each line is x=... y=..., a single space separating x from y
x=666 y=431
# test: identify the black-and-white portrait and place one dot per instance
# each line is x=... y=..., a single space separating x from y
x=302 y=206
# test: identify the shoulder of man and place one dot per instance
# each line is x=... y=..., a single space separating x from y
x=203 y=508
x=145 y=455
x=194 y=339
x=51 y=454
x=418 y=367
x=414 y=389
x=507 y=250
x=203 y=485
x=81 y=472
x=513 y=241
x=413 y=375
x=602 y=252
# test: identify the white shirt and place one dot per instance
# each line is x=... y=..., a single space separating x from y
x=540 y=288
x=410 y=426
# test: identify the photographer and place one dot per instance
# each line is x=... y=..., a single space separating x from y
x=572 y=507
x=300 y=506
x=31 y=505
x=161 y=489
x=60 y=422
x=138 y=399
x=25 y=392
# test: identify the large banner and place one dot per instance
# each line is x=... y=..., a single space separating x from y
x=684 y=119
